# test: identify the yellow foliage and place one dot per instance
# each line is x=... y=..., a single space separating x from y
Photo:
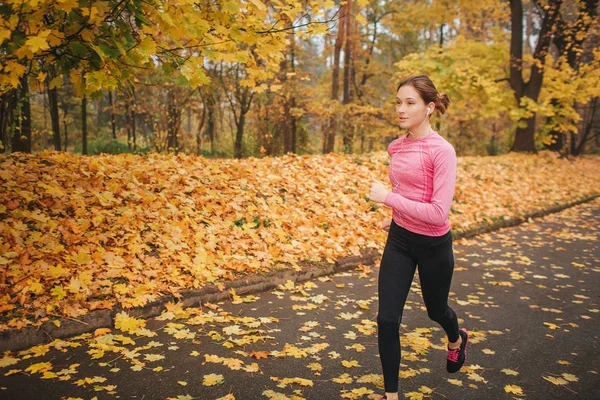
x=189 y=222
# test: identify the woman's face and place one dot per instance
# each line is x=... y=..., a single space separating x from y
x=411 y=108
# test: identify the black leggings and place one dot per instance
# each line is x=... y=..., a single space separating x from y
x=404 y=250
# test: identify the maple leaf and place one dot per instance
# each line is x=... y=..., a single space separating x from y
x=570 y=377
x=513 y=389
x=8 y=360
x=259 y=354
x=153 y=357
x=510 y=372
x=350 y=364
x=128 y=324
x=343 y=379
x=251 y=368
x=58 y=292
x=37 y=43
x=356 y=393
x=39 y=367
x=551 y=326
x=101 y=332
x=12 y=372
x=556 y=381
x=212 y=379
x=414 y=395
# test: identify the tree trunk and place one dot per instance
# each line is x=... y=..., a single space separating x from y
x=209 y=102
x=329 y=137
x=172 y=122
x=348 y=87
x=239 y=135
x=65 y=108
x=524 y=137
x=349 y=77
x=113 y=122
x=128 y=121
x=8 y=104
x=21 y=139
x=133 y=112
x=569 y=42
x=84 y=149
x=54 y=117
x=588 y=124
x=199 y=135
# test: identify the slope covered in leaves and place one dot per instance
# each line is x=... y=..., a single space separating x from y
x=84 y=233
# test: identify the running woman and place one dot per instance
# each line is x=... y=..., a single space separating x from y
x=422 y=172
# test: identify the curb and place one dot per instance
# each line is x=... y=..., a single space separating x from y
x=513 y=221
x=18 y=339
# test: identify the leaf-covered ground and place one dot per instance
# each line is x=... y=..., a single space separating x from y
x=85 y=233
x=528 y=295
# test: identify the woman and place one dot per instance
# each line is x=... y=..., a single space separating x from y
x=422 y=172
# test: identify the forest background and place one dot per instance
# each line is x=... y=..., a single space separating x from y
x=261 y=78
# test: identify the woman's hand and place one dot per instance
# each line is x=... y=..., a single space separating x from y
x=385 y=224
x=378 y=191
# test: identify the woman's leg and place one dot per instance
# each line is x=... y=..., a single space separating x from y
x=436 y=267
x=395 y=277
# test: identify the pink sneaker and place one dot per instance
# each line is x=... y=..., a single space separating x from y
x=457 y=357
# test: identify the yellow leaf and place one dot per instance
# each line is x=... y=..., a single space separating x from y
x=12 y=371
x=87 y=35
x=39 y=367
x=343 y=379
x=182 y=383
x=101 y=332
x=455 y=382
x=56 y=83
x=81 y=258
x=258 y=4
x=66 y=5
x=551 y=326
x=425 y=390
x=510 y=372
x=58 y=292
x=361 y=19
x=128 y=324
x=556 y=381
x=350 y=364
x=488 y=351
x=37 y=43
x=4 y=34
x=570 y=377
x=513 y=389
x=56 y=271
x=212 y=379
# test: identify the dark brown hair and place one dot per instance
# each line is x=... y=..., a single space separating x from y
x=428 y=91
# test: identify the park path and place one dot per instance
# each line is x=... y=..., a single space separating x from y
x=528 y=294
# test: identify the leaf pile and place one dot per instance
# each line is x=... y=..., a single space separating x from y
x=84 y=233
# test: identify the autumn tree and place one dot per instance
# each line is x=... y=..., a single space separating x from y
x=528 y=91
x=572 y=30
x=109 y=41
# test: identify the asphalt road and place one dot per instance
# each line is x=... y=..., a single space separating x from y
x=529 y=296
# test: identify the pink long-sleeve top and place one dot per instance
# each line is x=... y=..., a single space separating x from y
x=423 y=174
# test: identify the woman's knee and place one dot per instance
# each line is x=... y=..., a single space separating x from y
x=439 y=315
